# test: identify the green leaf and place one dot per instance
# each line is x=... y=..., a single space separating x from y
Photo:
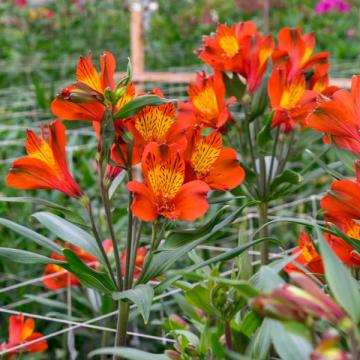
x=288 y=345
x=344 y=287
x=31 y=235
x=89 y=277
x=250 y=323
x=164 y=259
x=199 y=297
x=116 y=183
x=264 y=135
x=127 y=353
x=26 y=257
x=287 y=177
x=70 y=233
x=233 y=85
x=243 y=287
x=134 y=106
x=47 y=302
x=266 y=279
x=37 y=201
x=261 y=342
x=142 y=296
x=178 y=238
x=259 y=101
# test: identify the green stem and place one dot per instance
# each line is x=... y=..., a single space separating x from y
x=107 y=207
x=122 y=323
x=273 y=154
x=99 y=242
x=263 y=219
x=228 y=339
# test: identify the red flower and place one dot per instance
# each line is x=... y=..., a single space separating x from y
x=289 y=99
x=340 y=118
x=164 y=191
x=215 y=165
x=308 y=257
x=22 y=331
x=156 y=124
x=45 y=166
x=342 y=249
x=343 y=199
x=207 y=106
x=294 y=51
x=239 y=49
x=139 y=261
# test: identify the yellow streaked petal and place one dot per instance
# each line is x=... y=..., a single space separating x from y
x=229 y=44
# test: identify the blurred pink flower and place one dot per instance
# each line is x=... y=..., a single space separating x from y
x=19 y=3
x=325 y=6
x=351 y=32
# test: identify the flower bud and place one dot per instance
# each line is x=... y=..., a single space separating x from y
x=173 y=355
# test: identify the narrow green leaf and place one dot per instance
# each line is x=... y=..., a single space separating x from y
x=142 y=296
x=70 y=233
x=31 y=200
x=47 y=302
x=288 y=345
x=127 y=353
x=178 y=238
x=266 y=279
x=26 y=257
x=250 y=323
x=134 y=106
x=264 y=135
x=31 y=235
x=261 y=342
x=164 y=259
x=287 y=177
x=116 y=183
x=344 y=287
x=89 y=277
x=199 y=297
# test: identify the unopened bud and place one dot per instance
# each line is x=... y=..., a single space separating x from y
x=173 y=355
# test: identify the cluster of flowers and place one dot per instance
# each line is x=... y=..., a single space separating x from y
x=179 y=164
x=325 y=6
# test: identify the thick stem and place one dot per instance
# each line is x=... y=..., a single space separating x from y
x=263 y=219
x=122 y=322
x=228 y=339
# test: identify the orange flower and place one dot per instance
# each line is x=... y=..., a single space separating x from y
x=85 y=99
x=156 y=124
x=139 y=261
x=22 y=331
x=45 y=166
x=239 y=49
x=308 y=257
x=164 y=191
x=341 y=248
x=215 y=165
x=289 y=99
x=294 y=51
x=343 y=199
x=207 y=106
x=339 y=118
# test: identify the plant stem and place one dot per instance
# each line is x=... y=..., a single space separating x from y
x=99 y=243
x=273 y=154
x=228 y=339
x=263 y=218
x=122 y=322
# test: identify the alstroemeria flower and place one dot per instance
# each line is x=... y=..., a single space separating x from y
x=84 y=100
x=164 y=192
x=207 y=107
x=156 y=124
x=327 y=350
x=289 y=99
x=340 y=118
x=343 y=199
x=294 y=51
x=22 y=331
x=341 y=248
x=45 y=166
x=307 y=300
x=139 y=261
x=240 y=49
x=215 y=165
x=308 y=257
